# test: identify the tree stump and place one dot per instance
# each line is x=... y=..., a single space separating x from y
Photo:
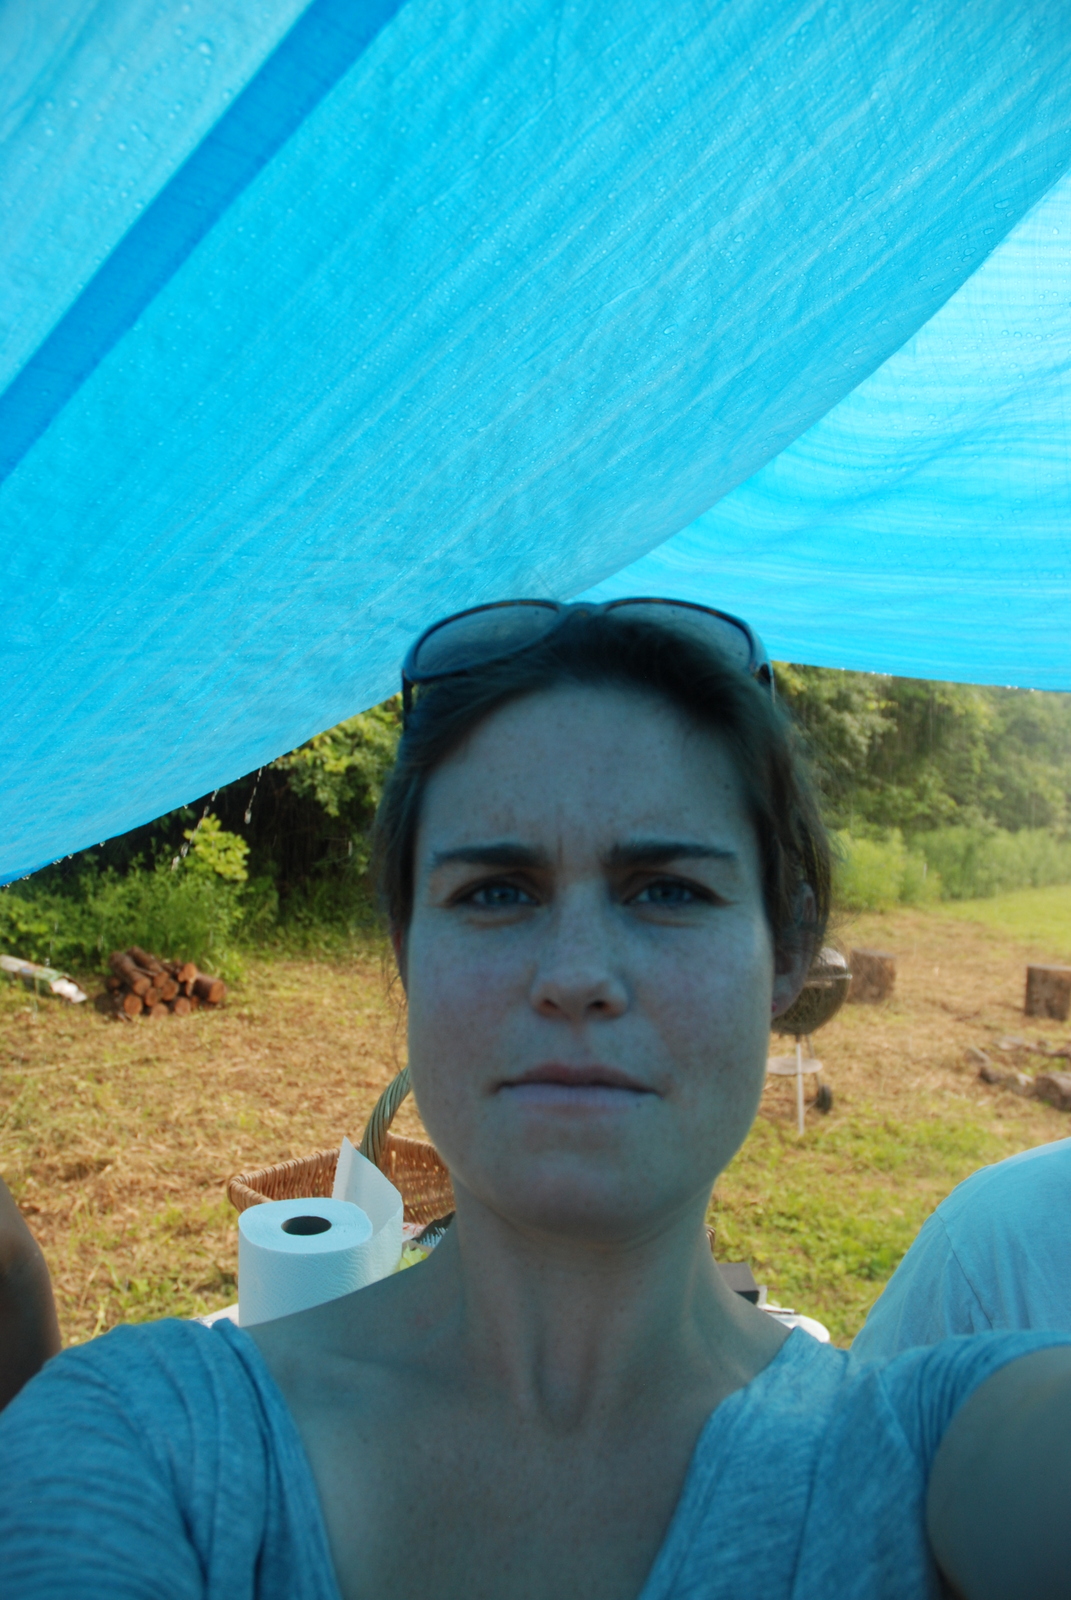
x=1048 y=992
x=873 y=975
x=1055 y=1087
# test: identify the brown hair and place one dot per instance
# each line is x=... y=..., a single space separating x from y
x=592 y=648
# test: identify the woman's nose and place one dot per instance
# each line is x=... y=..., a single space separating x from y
x=578 y=975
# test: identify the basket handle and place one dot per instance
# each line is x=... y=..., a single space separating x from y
x=374 y=1142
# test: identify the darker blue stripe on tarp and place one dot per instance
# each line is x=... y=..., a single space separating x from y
x=319 y=49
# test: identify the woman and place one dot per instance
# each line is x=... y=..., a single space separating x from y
x=604 y=873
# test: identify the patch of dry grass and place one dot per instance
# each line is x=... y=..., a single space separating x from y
x=117 y=1140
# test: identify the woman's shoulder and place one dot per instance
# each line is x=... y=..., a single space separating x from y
x=165 y=1443
x=817 y=1431
x=914 y=1393
x=169 y=1372
x=925 y=1387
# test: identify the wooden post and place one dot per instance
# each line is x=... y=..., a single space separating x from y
x=873 y=975
x=1055 y=1087
x=1048 y=992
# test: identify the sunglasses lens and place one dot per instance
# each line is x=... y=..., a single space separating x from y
x=480 y=636
x=705 y=626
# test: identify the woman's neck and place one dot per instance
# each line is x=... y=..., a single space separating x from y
x=567 y=1329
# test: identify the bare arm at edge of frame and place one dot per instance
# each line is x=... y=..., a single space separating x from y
x=998 y=1509
x=29 y=1331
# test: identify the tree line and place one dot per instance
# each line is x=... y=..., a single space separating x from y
x=932 y=788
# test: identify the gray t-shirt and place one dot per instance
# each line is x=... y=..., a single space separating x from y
x=161 y=1463
x=995 y=1254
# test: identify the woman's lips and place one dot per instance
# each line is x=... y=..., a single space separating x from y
x=592 y=1085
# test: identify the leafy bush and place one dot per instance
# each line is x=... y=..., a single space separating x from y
x=213 y=850
x=190 y=908
x=977 y=862
x=875 y=874
x=342 y=772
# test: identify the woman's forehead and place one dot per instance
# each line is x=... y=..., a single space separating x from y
x=601 y=762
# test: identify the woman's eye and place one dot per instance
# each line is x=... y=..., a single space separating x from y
x=668 y=892
x=499 y=897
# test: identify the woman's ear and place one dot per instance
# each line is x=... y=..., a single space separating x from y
x=792 y=962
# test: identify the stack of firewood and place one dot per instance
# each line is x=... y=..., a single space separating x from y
x=143 y=985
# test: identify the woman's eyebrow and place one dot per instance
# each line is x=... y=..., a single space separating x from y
x=648 y=852
x=504 y=854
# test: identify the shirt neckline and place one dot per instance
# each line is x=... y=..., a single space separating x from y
x=715 y=1441
x=797 y=1351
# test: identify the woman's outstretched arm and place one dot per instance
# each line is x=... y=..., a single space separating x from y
x=999 y=1502
x=29 y=1331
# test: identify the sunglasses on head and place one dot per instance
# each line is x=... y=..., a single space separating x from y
x=475 y=638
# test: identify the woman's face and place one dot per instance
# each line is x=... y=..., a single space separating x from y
x=589 y=968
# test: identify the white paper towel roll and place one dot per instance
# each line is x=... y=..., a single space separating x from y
x=293 y=1254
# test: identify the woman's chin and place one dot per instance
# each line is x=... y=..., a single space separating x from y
x=575 y=1198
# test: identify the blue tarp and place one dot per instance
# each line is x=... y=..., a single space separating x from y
x=316 y=323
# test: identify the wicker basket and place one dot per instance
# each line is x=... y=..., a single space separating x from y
x=412 y=1165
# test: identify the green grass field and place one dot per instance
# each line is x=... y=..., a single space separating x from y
x=1040 y=918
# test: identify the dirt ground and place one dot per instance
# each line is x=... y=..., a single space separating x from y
x=117 y=1139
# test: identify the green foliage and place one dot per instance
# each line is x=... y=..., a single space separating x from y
x=843 y=716
x=876 y=874
x=878 y=871
x=193 y=891
x=976 y=862
x=214 y=850
x=919 y=756
x=175 y=913
x=192 y=909
x=343 y=770
x=936 y=787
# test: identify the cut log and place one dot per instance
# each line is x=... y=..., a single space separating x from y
x=130 y=973
x=144 y=959
x=1055 y=1087
x=112 y=982
x=195 y=1002
x=210 y=989
x=158 y=1010
x=184 y=971
x=181 y=1007
x=131 y=1004
x=151 y=997
x=1048 y=992
x=167 y=986
x=873 y=976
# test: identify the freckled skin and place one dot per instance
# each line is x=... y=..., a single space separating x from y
x=513 y=1419
x=587 y=963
